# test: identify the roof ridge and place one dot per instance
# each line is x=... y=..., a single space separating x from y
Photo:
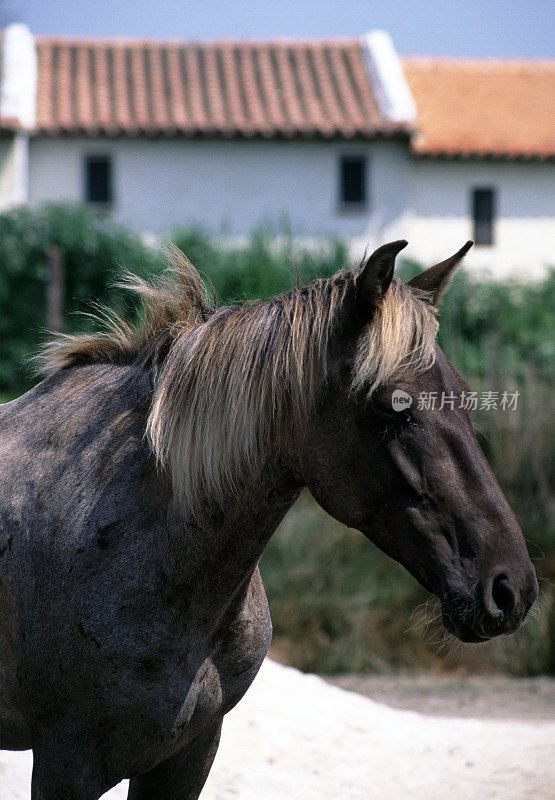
x=482 y=61
x=287 y=41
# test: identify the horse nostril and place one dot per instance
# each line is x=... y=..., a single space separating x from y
x=503 y=596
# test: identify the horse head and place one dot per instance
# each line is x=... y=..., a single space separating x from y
x=411 y=475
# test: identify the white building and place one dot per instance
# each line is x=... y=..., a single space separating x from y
x=337 y=137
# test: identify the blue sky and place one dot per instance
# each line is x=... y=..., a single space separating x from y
x=502 y=28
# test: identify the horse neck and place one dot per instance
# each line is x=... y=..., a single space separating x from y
x=228 y=548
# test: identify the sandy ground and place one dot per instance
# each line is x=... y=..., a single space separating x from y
x=296 y=736
x=483 y=696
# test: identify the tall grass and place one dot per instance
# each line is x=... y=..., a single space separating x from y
x=262 y=267
x=340 y=605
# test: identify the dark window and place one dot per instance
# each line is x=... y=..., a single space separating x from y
x=483 y=215
x=353 y=181
x=98 y=179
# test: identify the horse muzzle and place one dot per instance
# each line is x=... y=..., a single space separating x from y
x=498 y=606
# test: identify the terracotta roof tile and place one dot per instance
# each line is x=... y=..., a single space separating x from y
x=466 y=108
x=483 y=108
x=269 y=91
x=279 y=88
x=123 y=118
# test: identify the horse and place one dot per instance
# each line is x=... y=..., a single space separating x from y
x=144 y=476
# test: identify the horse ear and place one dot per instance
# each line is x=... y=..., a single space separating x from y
x=436 y=279
x=375 y=276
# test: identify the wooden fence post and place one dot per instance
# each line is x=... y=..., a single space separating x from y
x=55 y=292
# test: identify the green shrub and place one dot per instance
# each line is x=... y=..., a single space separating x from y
x=260 y=269
x=93 y=248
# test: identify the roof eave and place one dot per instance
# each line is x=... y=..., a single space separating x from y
x=479 y=155
x=401 y=132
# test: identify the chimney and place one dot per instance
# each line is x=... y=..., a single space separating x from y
x=18 y=82
x=391 y=89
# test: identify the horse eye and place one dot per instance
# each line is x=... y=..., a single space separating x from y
x=400 y=417
x=386 y=416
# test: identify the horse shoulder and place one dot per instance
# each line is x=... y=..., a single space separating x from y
x=243 y=643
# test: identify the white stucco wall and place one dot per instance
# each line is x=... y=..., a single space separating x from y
x=229 y=186
x=524 y=230
x=13 y=170
x=232 y=187
x=7 y=171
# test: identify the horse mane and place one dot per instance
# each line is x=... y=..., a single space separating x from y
x=230 y=377
x=231 y=384
x=171 y=303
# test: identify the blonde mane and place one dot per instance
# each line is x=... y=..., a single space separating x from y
x=174 y=302
x=230 y=378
